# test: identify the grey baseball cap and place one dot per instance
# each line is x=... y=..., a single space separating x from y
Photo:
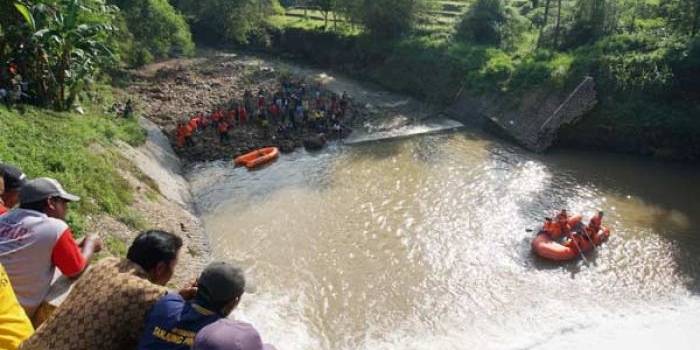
x=13 y=177
x=42 y=188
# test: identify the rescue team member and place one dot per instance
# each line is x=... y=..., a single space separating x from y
x=13 y=179
x=15 y=326
x=558 y=228
x=595 y=224
x=180 y=135
x=173 y=322
x=35 y=239
x=188 y=131
x=242 y=115
x=108 y=305
x=223 y=131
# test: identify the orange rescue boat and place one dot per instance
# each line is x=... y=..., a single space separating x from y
x=258 y=157
x=550 y=249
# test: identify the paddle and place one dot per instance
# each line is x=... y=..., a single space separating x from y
x=580 y=251
x=585 y=232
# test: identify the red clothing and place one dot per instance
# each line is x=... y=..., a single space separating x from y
x=67 y=256
x=230 y=117
x=192 y=124
x=180 y=136
x=223 y=127
x=3 y=210
x=242 y=115
x=32 y=246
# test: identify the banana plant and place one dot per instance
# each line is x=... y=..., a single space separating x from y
x=66 y=43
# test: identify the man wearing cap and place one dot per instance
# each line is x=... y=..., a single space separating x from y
x=108 y=304
x=35 y=239
x=13 y=179
x=173 y=323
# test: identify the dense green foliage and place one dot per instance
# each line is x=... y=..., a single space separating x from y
x=52 y=50
x=237 y=21
x=157 y=29
x=643 y=54
x=58 y=46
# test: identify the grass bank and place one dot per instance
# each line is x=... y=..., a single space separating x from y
x=78 y=150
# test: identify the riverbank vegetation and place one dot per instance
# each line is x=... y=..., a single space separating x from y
x=79 y=151
x=643 y=54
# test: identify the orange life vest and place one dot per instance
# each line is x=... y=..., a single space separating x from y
x=223 y=127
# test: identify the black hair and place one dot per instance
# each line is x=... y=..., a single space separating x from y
x=154 y=246
x=39 y=206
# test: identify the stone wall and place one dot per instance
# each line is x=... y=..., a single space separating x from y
x=534 y=119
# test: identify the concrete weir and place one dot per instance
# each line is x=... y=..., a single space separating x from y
x=535 y=121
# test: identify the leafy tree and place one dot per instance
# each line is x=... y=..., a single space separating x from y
x=386 y=18
x=157 y=30
x=60 y=45
x=490 y=22
x=227 y=20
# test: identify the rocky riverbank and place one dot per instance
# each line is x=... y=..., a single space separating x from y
x=172 y=92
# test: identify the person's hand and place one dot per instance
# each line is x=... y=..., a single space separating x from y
x=189 y=291
x=94 y=240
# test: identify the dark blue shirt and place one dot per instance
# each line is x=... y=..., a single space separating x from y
x=173 y=323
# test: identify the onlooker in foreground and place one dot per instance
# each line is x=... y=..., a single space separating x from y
x=35 y=239
x=13 y=179
x=227 y=334
x=15 y=326
x=173 y=322
x=108 y=305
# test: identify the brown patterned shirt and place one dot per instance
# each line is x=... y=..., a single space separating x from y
x=105 y=310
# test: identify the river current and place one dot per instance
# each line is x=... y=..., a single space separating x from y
x=421 y=243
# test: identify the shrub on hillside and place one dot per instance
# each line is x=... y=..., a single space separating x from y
x=389 y=18
x=158 y=30
x=491 y=22
x=237 y=21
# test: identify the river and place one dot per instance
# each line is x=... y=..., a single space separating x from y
x=421 y=243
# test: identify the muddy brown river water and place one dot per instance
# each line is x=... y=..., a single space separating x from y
x=420 y=243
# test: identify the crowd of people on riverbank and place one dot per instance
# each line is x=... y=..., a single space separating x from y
x=116 y=303
x=293 y=106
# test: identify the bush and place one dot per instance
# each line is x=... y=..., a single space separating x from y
x=236 y=21
x=636 y=62
x=389 y=18
x=158 y=30
x=491 y=22
x=483 y=22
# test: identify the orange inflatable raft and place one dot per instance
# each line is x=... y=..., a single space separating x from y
x=258 y=157
x=550 y=249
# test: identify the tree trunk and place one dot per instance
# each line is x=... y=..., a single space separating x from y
x=556 y=30
x=696 y=18
x=544 y=23
x=335 y=22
